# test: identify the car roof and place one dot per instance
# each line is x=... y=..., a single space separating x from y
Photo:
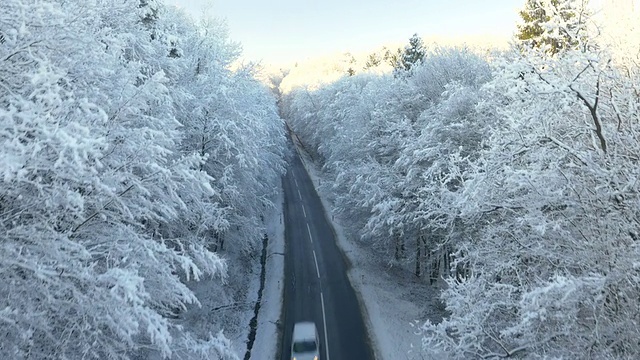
x=305 y=330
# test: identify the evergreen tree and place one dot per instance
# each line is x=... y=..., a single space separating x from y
x=552 y=25
x=351 y=64
x=393 y=58
x=403 y=60
x=413 y=53
x=373 y=60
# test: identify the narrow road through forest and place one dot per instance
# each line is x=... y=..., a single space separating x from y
x=316 y=285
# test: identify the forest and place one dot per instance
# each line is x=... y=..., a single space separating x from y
x=131 y=156
x=137 y=156
x=510 y=176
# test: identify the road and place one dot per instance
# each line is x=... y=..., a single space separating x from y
x=316 y=284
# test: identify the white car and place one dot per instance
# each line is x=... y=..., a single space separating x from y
x=305 y=342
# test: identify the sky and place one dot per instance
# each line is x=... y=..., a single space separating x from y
x=284 y=31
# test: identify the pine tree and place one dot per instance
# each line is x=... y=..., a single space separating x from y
x=403 y=60
x=413 y=53
x=393 y=58
x=552 y=25
x=351 y=63
x=373 y=60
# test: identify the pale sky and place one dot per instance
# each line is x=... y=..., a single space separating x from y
x=283 y=31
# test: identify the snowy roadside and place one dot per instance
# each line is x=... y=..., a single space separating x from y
x=266 y=342
x=392 y=299
x=235 y=308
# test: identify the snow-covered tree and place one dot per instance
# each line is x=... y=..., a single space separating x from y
x=105 y=212
x=369 y=132
x=553 y=25
x=523 y=177
x=553 y=261
x=413 y=53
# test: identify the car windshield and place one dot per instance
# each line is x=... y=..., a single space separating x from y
x=304 y=346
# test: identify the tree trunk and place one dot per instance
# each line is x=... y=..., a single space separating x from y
x=418 y=256
x=435 y=269
x=216 y=242
x=396 y=243
x=461 y=271
x=399 y=253
x=446 y=258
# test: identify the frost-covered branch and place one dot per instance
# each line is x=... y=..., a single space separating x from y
x=593 y=109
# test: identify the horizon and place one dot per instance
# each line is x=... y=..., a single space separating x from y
x=303 y=30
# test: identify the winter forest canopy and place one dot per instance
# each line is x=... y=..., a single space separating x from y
x=131 y=154
x=511 y=175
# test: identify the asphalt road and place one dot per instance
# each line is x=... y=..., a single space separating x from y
x=316 y=285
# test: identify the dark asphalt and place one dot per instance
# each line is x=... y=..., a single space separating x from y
x=307 y=232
